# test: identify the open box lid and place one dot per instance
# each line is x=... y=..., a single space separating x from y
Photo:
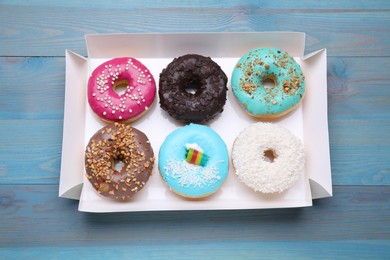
x=229 y=45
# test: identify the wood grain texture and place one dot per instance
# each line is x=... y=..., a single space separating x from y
x=305 y=4
x=226 y=249
x=24 y=207
x=31 y=152
x=36 y=224
x=32 y=88
x=46 y=30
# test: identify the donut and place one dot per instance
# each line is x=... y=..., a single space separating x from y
x=268 y=158
x=127 y=73
x=116 y=143
x=278 y=68
x=193 y=161
x=192 y=88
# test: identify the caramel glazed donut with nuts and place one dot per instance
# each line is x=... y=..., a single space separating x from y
x=118 y=142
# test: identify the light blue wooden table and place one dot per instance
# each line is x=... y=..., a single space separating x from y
x=35 y=223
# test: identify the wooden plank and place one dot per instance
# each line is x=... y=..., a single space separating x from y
x=48 y=32
x=358 y=88
x=33 y=87
x=31 y=152
x=360 y=152
x=282 y=4
x=33 y=216
x=204 y=249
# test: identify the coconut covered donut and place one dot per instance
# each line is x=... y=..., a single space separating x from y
x=118 y=143
x=257 y=67
x=268 y=158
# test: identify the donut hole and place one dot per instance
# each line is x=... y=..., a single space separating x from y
x=120 y=86
x=117 y=165
x=269 y=81
x=269 y=155
x=192 y=87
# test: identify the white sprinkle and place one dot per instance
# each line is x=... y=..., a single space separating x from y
x=130 y=111
x=190 y=175
x=104 y=113
x=120 y=117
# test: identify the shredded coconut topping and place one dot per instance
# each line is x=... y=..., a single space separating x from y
x=261 y=174
x=190 y=175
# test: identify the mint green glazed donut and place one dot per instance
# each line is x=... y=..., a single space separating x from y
x=268 y=64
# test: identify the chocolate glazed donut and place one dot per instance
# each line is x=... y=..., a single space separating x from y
x=192 y=88
x=118 y=143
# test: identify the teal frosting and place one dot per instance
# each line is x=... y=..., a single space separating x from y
x=267 y=63
x=188 y=179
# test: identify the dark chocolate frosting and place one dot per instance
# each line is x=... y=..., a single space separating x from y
x=192 y=88
x=118 y=142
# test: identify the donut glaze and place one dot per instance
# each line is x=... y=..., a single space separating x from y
x=252 y=149
x=138 y=97
x=206 y=79
x=275 y=65
x=118 y=142
x=187 y=179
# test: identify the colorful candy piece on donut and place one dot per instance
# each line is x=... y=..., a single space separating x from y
x=196 y=157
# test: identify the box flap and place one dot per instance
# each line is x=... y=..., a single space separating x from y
x=317 y=149
x=71 y=178
x=225 y=44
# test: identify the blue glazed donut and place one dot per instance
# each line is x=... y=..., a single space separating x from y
x=262 y=64
x=182 y=174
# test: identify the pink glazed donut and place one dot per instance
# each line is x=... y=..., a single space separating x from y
x=127 y=73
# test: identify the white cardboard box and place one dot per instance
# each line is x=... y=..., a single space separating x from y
x=309 y=122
